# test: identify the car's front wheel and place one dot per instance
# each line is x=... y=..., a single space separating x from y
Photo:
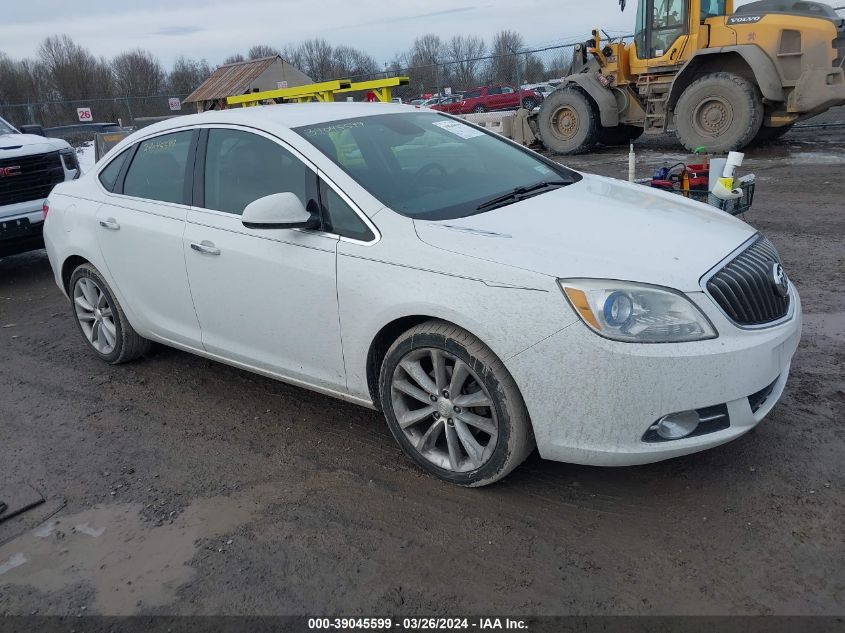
x=452 y=405
x=100 y=318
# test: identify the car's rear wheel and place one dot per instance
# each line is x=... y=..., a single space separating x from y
x=479 y=109
x=452 y=405
x=100 y=318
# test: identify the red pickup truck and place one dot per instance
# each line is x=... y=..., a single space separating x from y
x=499 y=97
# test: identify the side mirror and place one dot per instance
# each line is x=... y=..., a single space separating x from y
x=278 y=211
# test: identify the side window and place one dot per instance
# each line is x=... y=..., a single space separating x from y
x=506 y=90
x=472 y=94
x=495 y=90
x=158 y=170
x=339 y=217
x=241 y=167
x=108 y=176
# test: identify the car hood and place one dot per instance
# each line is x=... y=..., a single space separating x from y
x=14 y=145
x=598 y=227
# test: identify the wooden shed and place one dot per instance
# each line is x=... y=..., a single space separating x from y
x=254 y=75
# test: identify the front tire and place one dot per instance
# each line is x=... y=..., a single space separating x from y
x=568 y=121
x=529 y=104
x=452 y=406
x=101 y=320
x=720 y=111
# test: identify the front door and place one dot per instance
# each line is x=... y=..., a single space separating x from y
x=266 y=298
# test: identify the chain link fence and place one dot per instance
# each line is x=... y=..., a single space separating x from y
x=520 y=68
x=123 y=110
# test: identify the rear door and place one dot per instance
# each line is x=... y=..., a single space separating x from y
x=265 y=298
x=139 y=230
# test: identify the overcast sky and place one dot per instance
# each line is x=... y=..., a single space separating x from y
x=214 y=29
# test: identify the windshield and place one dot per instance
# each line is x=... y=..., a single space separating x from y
x=6 y=128
x=429 y=166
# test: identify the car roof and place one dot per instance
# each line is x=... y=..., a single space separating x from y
x=287 y=115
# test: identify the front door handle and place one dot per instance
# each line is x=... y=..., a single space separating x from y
x=110 y=224
x=205 y=247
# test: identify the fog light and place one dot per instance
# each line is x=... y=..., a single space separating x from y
x=677 y=425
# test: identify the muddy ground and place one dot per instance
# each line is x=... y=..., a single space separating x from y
x=181 y=486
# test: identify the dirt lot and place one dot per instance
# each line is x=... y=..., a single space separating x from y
x=177 y=485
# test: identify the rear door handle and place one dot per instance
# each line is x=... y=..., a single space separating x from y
x=110 y=224
x=205 y=247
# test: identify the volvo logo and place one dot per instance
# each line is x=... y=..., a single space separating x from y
x=779 y=280
x=15 y=170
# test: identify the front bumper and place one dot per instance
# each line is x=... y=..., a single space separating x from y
x=817 y=90
x=21 y=227
x=591 y=400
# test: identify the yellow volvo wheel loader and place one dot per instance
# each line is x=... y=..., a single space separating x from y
x=719 y=78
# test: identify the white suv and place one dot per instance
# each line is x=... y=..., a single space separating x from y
x=30 y=166
x=482 y=296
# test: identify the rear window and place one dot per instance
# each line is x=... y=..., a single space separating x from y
x=158 y=170
x=108 y=176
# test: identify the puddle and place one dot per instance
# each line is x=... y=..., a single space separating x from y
x=129 y=563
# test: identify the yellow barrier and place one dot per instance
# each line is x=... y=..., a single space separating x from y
x=322 y=91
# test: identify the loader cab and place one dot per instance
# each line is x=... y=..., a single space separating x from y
x=667 y=31
x=660 y=24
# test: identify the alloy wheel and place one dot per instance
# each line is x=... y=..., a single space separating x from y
x=95 y=315
x=444 y=410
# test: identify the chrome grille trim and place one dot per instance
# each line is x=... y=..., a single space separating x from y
x=740 y=287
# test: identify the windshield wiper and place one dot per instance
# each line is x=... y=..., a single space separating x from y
x=520 y=193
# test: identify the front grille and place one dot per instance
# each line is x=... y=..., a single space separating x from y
x=34 y=180
x=759 y=398
x=745 y=289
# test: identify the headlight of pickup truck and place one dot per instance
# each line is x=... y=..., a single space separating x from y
x=70 y=161
x=636 y=313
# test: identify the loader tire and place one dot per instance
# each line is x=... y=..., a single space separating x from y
x=619 y=135
x=568 y=121
x=720 y=111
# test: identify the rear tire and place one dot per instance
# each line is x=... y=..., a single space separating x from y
x=720 y=111
x=619 y=135
x=101 y=320
x=452 y=405
x=479 y=109
x=568 y=121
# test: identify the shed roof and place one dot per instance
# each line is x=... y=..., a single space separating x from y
x=232 y=79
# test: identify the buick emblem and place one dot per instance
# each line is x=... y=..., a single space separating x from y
x=779 y=280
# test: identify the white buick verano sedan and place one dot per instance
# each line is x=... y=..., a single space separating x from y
x=486 y=299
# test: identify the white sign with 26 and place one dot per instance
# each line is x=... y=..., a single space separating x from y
x=84 y=115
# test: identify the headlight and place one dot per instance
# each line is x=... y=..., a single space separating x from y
x=636 y=313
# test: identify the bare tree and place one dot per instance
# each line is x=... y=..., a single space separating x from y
x=533 y=69
x=316 y=59
x=292 y=55
x=348 y=62
x=187 y=75
x=72 y=71
x=465 y=53
x=424 y=60
x=138 y=74
x=262 y=50
x=503 y=65
x=234 y=59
